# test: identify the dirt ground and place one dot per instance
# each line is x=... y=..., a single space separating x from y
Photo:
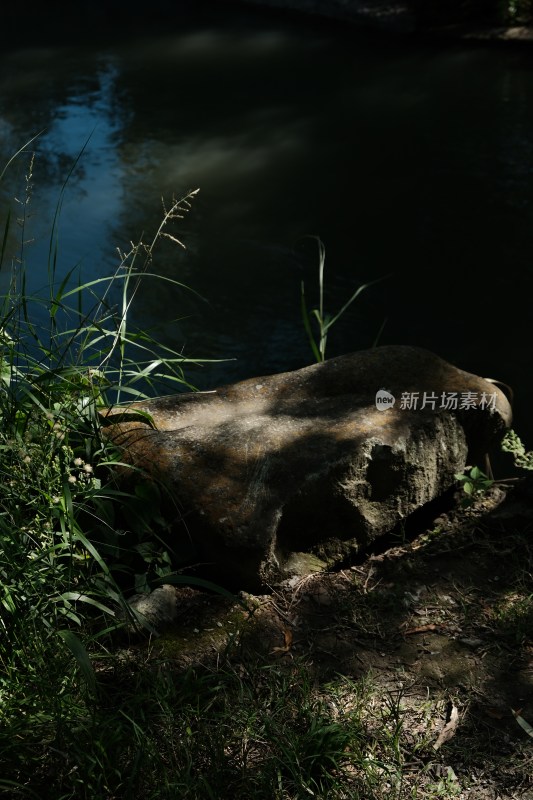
x=442 y=622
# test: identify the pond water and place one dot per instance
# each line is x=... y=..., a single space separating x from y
x=410 y=161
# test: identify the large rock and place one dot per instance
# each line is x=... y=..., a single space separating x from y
x=305 y=461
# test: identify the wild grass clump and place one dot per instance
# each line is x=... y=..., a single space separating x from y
x=65 y=355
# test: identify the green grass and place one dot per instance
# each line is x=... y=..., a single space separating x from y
x=257 y=731
x=321 y=320
x=64 y=356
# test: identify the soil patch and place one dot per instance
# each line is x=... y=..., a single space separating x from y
x=443 y=622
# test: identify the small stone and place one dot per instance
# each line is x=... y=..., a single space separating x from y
x=471 y=642
x=158 y=608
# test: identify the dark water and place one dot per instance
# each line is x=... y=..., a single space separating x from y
x=406 y=159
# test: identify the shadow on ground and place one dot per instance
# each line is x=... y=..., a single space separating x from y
x=442 y=621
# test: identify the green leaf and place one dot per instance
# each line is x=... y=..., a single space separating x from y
x=81 y=655
x=307 y=325
x=83 y=598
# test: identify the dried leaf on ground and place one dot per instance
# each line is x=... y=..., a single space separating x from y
x=523 y=723
x=449 y=729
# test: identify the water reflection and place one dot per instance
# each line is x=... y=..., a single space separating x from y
x=77 y=145
x=410 y=160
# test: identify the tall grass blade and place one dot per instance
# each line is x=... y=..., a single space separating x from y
x=4 y=238
x=17 y=789
x=307 y=325
x=81 y=656
x=325 y=321
x=19 y=151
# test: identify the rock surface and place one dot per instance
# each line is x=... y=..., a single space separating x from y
x=305 y=461
x=155 y=611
